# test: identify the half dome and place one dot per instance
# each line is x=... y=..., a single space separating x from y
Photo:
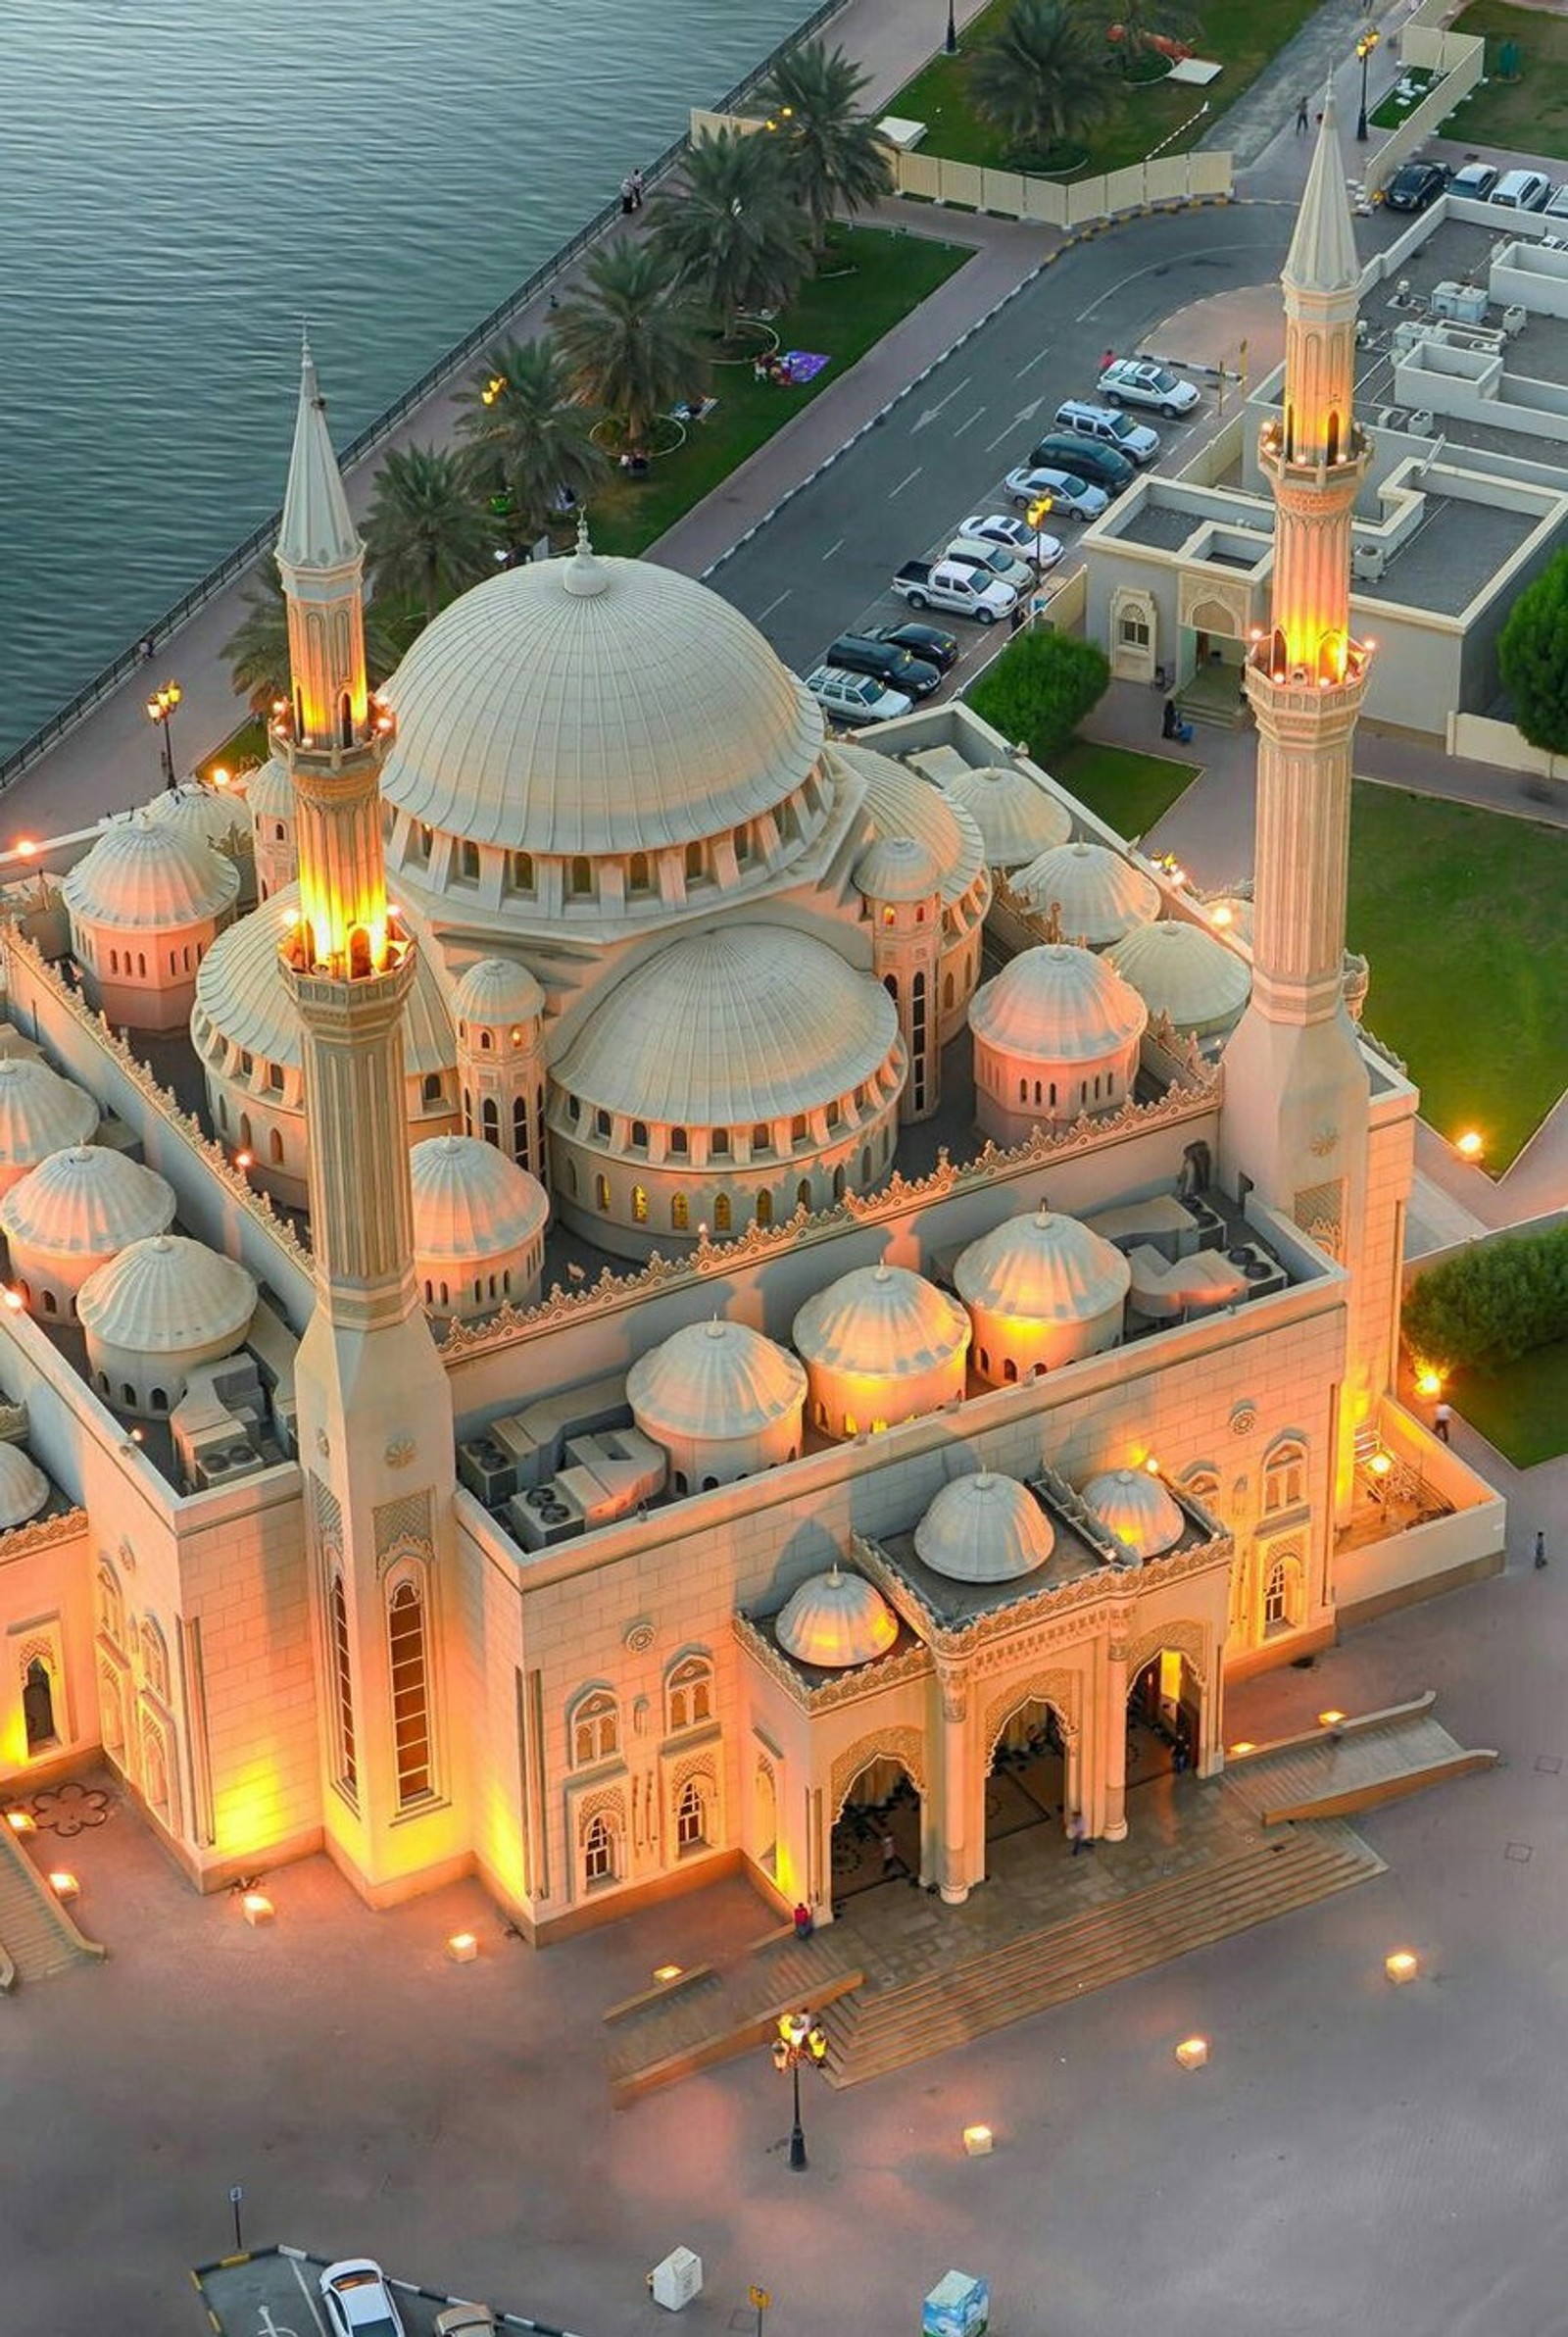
x=497 y=990
x=240 y=989
x=836 y=1619
x=470 y=1202
x=984 y=1529
x=1099 y=894
x=881 y=1322
x=1184 y=972
x=167 y=1296
x=268 y=790
x=1042 y=1269
x=899 y=802
x=898 y=869
x=39 y=1112
x=714 y=1380
x=594 y=705
x=148 y=873
x=23 y=1487
x=1058 y=1003
x=1136 y=1507
x=87 y=1201
x=1018 y=818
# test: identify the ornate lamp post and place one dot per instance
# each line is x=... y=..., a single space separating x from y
x=799 y=2041
x=159 y=710
x=1363 y=49
x=950 y=43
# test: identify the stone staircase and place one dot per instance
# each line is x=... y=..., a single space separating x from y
x=661 y=2038
x=876 y=2030
x=37 y=1937
x=1334 y=1773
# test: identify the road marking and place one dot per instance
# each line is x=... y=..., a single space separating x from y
x=909 y=482
x=1039 y=358
x=959 y=427
x=309 y=2298
x=931 y=411
x=771 y=606
x=832 y=548
x=1155 y=267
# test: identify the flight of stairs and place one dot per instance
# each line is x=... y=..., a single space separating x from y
x=873 y=2031
x=37 y=1937
x=1363 y=1767
x=722 y=2015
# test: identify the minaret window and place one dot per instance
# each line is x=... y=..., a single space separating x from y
x=762 y=1137
x=694 y=864
x=718 y=1142
x=519 y=872
x=679 y=1142
x=345 y=720
x=601 y=1194
x=411 y=1696
x=637 y=879
x=639 y=1205
x=347 y=1770
x=1332 y=441
x=432 y=1087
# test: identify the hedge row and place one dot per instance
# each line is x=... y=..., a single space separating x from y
x=1492 y=1304
x=1039 y=689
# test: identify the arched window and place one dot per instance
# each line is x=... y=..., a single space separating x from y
x=469 y=863
x=519 y=872
x=689 y=1693
x=679 y=1143
x=680 y=1213
x=245 y=1131
x=155 y=1659
x=432 y=1087
x=639 y=1135
x=595 y=1729
x=598 y=1850
x=639 y=1205
x=490 y=1120
x=721 y=1214
x=411 y=1693
x=582 y=876
x=275 y=1147
x=765 y=1207
x=1285 y=1475
x=601 y=1195
x=1203 y=1483
x=487 y=1042
x=691 y=1818
x=694 y=864
x=1282 y=1595
x=520 y=1149
x=637 y=873
x=802 y=1192
x=111 y=1603
x=343 y=1682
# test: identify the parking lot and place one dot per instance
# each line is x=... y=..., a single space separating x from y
x=273 y=2292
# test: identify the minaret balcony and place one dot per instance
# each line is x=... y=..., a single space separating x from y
x=1313 y=467
x=1318 y=695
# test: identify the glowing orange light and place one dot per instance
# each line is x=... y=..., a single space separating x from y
x=1153 y=1466
x=663 y=1973
x=63 y=1885
x=462 y=1946
x=1430 y=1384
x=977 y=2141
x=1243 y=1745
x=1330 y=1719
x=242 y=1160
x=20 y=1821
x=1401 y=1967
x=220 y=775
x=1469 y=1146
x=1193 y=2052
x=1221 y=916
x=13 y=1299
x=1380 y=1465
x=25 y=847
x=257 y=1908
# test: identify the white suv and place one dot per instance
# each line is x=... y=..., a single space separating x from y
x=1139 y=381
x=1135 y=439
x=856 y=698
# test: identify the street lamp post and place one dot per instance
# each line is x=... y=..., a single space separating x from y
x=1363 y=49
x=950 y=43
x=159 y=710
x=800 y=2041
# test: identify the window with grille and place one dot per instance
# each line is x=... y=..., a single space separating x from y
x=691 y=1819
x=690 y=1693
x=410 y=1694
x=599 y=1852
x=1282 y=1595
x=347 y=1767
x=595 y=1729
x=1285 y=1477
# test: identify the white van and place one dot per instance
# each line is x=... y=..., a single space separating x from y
x=1521 y=191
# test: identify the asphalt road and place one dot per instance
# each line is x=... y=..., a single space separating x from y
x=821 y=564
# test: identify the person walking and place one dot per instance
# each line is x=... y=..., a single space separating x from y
x=1442 y=1416
x=629 y=197
x=636 y=190
x=1078 y=1833
x=1541 y=1551
x=803 y=1921
x=890 y=1851
x=1301 y=117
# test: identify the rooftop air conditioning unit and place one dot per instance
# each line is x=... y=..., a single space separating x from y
x=1422 y=422
x=1392 y=417
x=1514 y=320
x=1367 y=563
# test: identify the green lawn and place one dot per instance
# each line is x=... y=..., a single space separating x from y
x=1520 y=1408
x=1128 y=791
x=1529 y=115
x=1390 y=114
x=870 y=280
x=1460 y=915
x=1244 y=35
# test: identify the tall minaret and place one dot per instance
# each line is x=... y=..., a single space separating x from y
x=374 y=1411
x=1296 y=1111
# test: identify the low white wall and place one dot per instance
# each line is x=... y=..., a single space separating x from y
x=1481 y=738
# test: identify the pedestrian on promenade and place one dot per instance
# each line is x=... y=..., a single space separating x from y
x=1301 y=117
x=1541 y=1551
x=803 y=1921
x=1107 y=359
x=629 y=197
x=1442 y=1416
x=636 y=190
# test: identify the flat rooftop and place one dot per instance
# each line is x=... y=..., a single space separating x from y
x=1455 y=553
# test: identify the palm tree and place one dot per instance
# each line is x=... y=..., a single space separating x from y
x=426 y=536
x=257 y=649
x=732 y=231
x=1044 y=78
x=527 y=436
x=832 y=155
x=633 y=337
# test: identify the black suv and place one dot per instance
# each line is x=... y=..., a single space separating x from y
x=899 y=668
x=1416 y=185
x=1101 y=465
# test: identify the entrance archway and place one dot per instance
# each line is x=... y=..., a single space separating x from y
x=876 y=1834
x=1164 y=1718
x=1027 y=1783
x=38 y=1706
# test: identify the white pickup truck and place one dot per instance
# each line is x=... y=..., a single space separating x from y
x=956 y=586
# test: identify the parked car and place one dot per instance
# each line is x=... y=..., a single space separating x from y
x=888 y=661
x=465 y=2320
x=1104 y=423
x=1043 y=488
x=1521 y=191
x=1414 y=185
x=926 y=641
x=1476 y=180
x=855 y=698
x=1064 y=450
x=1140 y=381
x=1013 y=535
x=1557 y=208
x=358 y=2301
x=1004 y=566
x=960 y=585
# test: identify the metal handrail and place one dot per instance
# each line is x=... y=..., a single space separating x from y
x=261 y=539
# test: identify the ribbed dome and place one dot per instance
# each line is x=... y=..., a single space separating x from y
x=1137 y=1509
x=87 y=1202
x=240 y=990
x=269 y=791
x=202 y=814
x=714 y=1380
x=39 y=1112
x=749 y=1022
x=1058 y=1003
x=23 y=1487
x=1016 y=815
x=1101 y=895
x=898 y=869
x=167 y=1295
x=1042 y=1269
x=899 y=802
x=1231 y=914
x=497 y=990
x=589 y=705
x=836 y=1619
x=984 y=1529
x=1184 y=971
x=470 y=1202
x=881 y=1320
x=145 y=872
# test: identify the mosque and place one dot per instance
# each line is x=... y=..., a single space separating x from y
x=975 y=1261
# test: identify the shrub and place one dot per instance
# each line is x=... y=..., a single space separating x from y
x=1492 y=1304
x=1039 y=689
x=1532 y=659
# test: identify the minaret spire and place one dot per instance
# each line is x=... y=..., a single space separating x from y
x=1322 y=256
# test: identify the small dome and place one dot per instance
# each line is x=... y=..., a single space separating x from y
x=899 y=802
x=714 y=1380
x=87 y=1201
x=1183 y=971
x=882 y=1321
x=1016 y=815
x=241 y=991
x=984 y=1529
x=497 y=990
x=1058 y=1003
x=23 y=1487
x=146 y=873
x=745 y=1024
x=1231 y=914
x=470 y=1202
x=898 y=869
x=39 y=1112
x=167 y=1295
x=1042 y=1269
x=205 y=815
x=836 y=1619
x=1137 y=1509
x=268 y=791
x=1101 y=895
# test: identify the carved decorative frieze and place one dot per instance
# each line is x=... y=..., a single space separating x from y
x=1061 y=1690
x=845 y=1687
x=1190 y=1639
x=40 y=1532
x=905 y=1746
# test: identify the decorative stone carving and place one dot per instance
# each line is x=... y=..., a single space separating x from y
x=954 y=1695
x=399 y=1452
x=1061 y=1690
x=1190 y=1638
x=1244 y=1419
x=902 y=1745
x=638 y=1638
x=402 y=1527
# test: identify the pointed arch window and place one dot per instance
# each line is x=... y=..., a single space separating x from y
x=411 y=1693
x=1285 y=1475
x=689 y=1693
x=155 y=1659
x=598 y=1850
x=595 y=1729
x=691 y=1818
x=343 y=1687
x=111 y=1605
x=521 y=1150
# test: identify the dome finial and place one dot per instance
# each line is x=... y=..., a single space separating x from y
x=586 y=574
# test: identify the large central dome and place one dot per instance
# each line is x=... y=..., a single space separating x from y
x=593 y=706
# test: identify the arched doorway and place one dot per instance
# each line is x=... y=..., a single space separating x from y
x=1164 y=1719
x=876 y=1834
x=38 y=1706
x=1028 y=1781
